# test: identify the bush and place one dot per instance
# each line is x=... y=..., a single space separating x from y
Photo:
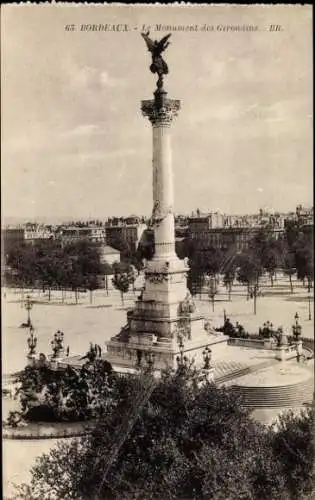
x=65 y=395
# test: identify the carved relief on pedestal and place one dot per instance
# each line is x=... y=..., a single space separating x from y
x=156 y=277
x=157 y=268
x=163 y=114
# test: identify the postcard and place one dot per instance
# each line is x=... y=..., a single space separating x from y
x=157 y=212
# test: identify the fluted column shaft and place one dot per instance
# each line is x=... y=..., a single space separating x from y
x=161 y=112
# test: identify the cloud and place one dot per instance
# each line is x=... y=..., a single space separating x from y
x=83 y=130
x=82 y=157
x=82 y=77
x=91 y=78
x=108 y=81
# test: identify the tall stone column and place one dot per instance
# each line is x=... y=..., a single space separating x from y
x=164 y=312
x=161 y=112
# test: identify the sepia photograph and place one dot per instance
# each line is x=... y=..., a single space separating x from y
x=157 y=263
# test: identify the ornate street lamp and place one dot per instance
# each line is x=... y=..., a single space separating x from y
x=57 y=343
x=182 y=361
x=181 y=343
x=253 y=292
x=224 y=315
x=213 y=290
x=32 y=343
x=207 y=355
x=296 y=329
x=28 y=306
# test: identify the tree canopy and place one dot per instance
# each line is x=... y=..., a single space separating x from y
x=50 y=265
x=188 y=441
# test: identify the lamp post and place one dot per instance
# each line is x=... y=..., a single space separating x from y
x=253 y=290
x=212 y=290
x=56 y=343
x=28 y=306
x=309 y=306
x=296 y=328
x=207 y=354
x=181 y=346
x=32 y=343
x=182 y=361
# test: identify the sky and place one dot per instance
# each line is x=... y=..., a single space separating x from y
x=74 y=141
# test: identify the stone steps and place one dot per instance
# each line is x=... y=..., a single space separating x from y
x=278 y=396
x=245 y=371
x=224 y=369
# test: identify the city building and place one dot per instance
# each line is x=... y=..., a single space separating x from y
x=70 y=234
x=305 y=216
x=30 y=233
x=11 y=238
x=34 y=232
x=129 y=230
x=217 y=230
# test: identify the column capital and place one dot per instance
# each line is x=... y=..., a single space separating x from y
x=160 y=110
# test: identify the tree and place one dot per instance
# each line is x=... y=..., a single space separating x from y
x=212 y=261
x=121 y=282
x=83 y=263
x=21 y=262
x=293 y=444
x=270 y=262
x=304 y=260
x=202 y=263
x=76 y=279
x=267 y=250
x=291 y=234
x=228 y=279
x=249 y=271
x=48 y=271
x=188 y=441
x=91 y=283
x=289 y=267
x=53 y=266
x=195 y=277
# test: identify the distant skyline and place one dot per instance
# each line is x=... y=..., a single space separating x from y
x=74 y=142
x=11 y=221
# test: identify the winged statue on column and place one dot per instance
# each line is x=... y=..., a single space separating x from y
x=156 y=48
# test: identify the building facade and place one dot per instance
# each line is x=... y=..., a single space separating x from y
x=71 y=234
x=130 y=230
